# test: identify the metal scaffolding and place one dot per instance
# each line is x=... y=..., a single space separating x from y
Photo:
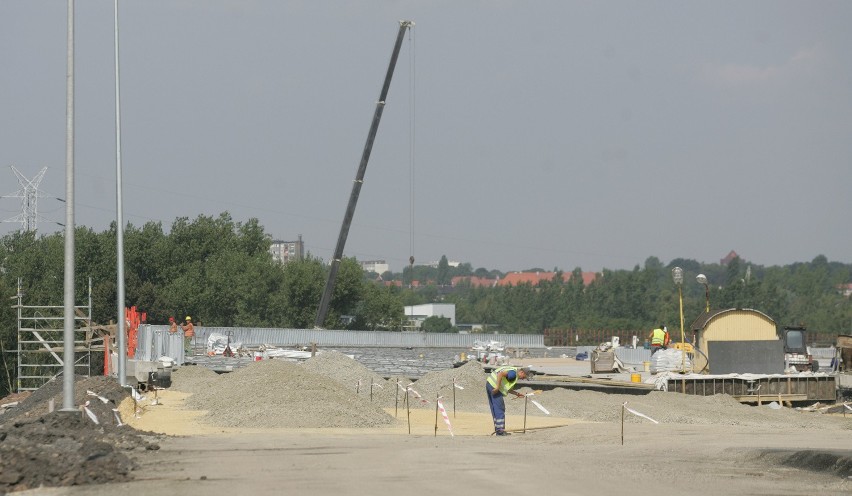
x=41 y=340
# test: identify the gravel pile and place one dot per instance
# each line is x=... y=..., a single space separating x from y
x=324 y=391
x=466 y=384
x=340 y=367
x=278 y=393
x=190 y=379
x=675 y=408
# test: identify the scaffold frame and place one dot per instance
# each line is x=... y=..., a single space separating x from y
x=41 y=343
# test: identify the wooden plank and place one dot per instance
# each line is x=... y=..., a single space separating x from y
x=588 y=380
x=768 y=398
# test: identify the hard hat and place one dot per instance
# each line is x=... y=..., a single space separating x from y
x=511 y=375
x=171 y=319
x=188 y=318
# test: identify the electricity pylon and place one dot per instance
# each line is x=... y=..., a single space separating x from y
x=29 y=200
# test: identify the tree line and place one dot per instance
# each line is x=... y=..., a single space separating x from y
x=221 y=273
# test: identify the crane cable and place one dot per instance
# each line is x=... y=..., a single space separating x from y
x=411 y=146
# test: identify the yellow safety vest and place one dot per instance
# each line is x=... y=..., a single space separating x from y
x=659 y=337
x=505 y=385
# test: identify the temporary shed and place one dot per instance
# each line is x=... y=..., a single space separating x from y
x=733 y=324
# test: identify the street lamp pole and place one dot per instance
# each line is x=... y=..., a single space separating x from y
x=702 y=279
x=677 y=275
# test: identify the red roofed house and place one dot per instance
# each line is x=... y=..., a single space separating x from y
x=728 y=258
x=475 y=281
x=414 y=284
x=533 y=278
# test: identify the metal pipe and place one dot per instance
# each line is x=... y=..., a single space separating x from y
x=119 y=224
x=68 y=369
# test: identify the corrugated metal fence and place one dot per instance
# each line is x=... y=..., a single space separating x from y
x=632 y=357
x=155 y=341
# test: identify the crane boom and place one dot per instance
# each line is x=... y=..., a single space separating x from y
x=322 y=312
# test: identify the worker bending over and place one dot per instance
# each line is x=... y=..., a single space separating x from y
x=499 y=384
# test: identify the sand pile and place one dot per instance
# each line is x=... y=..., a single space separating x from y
x=465 y=384
x=278 y=393
x=352 y=376
x=324 y=391
x=676 y=408
x=190 y=379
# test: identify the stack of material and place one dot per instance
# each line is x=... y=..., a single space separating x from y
x=670 y=360
x=603 y=361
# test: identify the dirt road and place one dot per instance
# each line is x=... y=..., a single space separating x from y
x=568 y=458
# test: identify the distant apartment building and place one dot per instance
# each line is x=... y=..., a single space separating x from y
x=416 y=314
x=377 y=266
x=287 y=251
x=450 y=263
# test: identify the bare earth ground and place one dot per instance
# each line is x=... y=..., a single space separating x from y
x=572 y=459
x=330 y=426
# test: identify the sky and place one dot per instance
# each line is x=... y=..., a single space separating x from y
x=516 y=134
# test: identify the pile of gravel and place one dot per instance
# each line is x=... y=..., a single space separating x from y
x=465 y=385
x=672 y=408
x=334 y=390
x=278 y=393
x=190 y=379
x=389 y=393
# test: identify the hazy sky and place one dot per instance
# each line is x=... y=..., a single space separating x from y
x=524 y=133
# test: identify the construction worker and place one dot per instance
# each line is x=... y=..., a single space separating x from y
x=659 y=339
x=172 y=325
x=188 y=334
x=499 y=384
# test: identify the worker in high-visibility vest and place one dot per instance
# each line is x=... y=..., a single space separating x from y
x=500 y=383
x=188 y=334
x=659 y=339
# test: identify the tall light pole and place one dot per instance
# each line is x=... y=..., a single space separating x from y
x=677 y=275
x=68 y=285
x=119 y=227
x=702 y=279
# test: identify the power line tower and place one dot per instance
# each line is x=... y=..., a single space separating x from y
x=29 y=200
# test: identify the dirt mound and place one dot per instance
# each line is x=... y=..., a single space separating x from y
x=353 y=376
x=39 y=448
x=465 y=385
x=277 y=393
x=192 y=378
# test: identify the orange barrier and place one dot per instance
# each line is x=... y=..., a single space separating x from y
x=133 y=318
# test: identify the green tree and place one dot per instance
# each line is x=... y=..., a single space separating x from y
x=437 y=324
x=380 y=309
x=442 y=277
x=301 y=291
x=348 y=291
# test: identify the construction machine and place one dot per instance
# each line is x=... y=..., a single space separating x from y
x=796 y=349
x=325 y=300
x=844 y=353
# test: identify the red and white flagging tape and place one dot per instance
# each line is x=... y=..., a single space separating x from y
x=446 y=418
